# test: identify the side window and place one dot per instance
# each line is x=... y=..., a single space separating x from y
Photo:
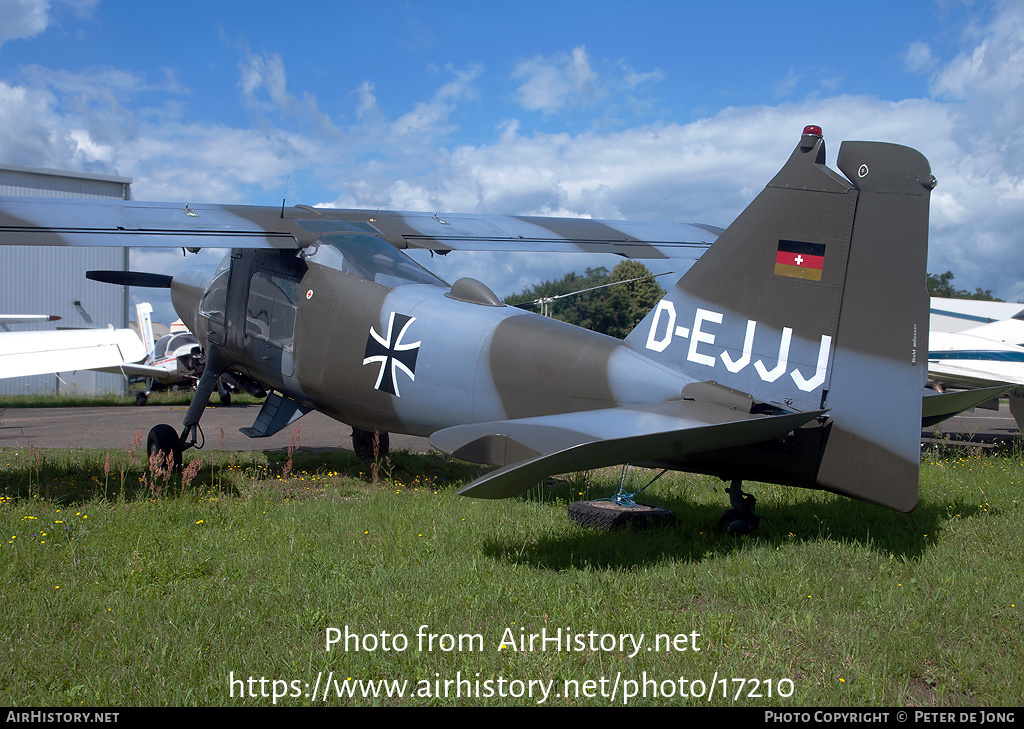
x=270 y=311
x=215 y=300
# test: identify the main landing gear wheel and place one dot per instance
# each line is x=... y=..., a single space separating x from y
x=140 y=397
x=363 y=444
x=740 y=519
x=163 y=441
x=608 y=515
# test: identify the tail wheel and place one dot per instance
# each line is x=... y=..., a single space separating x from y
x=163 y=441
x=740 y=519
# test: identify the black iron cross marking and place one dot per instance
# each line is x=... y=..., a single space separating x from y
x=392 y=354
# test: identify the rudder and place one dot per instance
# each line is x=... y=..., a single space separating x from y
x=815 y=298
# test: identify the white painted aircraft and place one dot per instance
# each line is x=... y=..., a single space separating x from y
x=174 y=360
x=64 y=350
x=988 y=351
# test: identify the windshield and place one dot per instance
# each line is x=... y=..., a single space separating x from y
x=370 y=258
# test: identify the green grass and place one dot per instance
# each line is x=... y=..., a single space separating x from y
x=142 y=590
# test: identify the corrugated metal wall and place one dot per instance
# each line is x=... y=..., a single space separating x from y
x=51 y=280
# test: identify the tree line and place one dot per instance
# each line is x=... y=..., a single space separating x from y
x=616 y=310
x=942 y=285
x=613 y=310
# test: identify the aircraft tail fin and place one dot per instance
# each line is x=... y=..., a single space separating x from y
x=143 y=312
x=814 y=298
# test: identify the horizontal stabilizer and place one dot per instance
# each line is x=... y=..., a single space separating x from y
x=580 y=441
x=276 y=414
x=937 y=407
x=131 y=278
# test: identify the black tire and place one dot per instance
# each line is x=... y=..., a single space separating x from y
x=225 y=398
x=608 y=515
x=140 y=398
x=362 y=444
x=738 y=522
x=163 y=440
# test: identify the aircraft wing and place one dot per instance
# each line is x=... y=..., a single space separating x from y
x=959 y=360
x=36 y=353
x=141 y=370
x=967 y=376
x=531 y=449
x=75 y=222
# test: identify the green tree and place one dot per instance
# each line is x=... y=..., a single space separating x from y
x=612 y=310
x=942 y=285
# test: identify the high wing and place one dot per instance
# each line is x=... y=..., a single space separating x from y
x=48 y=221
x=36 y=353
x=709 y=417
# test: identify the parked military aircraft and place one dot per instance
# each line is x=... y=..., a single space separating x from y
x=793 y=351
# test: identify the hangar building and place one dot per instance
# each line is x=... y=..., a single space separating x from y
x=51 y=279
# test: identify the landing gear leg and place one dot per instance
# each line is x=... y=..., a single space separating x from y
x=159 y=440
x=740 y=519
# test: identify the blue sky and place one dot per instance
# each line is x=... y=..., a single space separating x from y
x=660 y=111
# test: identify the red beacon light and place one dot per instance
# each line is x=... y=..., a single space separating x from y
x=813 y=129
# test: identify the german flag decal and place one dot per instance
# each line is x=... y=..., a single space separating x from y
x=800 y=260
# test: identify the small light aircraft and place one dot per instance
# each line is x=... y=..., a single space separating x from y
x=794 y=350
x=26 y=353
x=175 y=360
x=987 y=354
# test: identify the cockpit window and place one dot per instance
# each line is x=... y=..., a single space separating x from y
x=170 y=343
x=370 y=258
x=215 y=300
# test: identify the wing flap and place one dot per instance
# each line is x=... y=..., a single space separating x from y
x=534 y=448
x=136 y=370
x=500 y=233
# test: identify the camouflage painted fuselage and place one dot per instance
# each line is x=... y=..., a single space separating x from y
x=430 y=360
